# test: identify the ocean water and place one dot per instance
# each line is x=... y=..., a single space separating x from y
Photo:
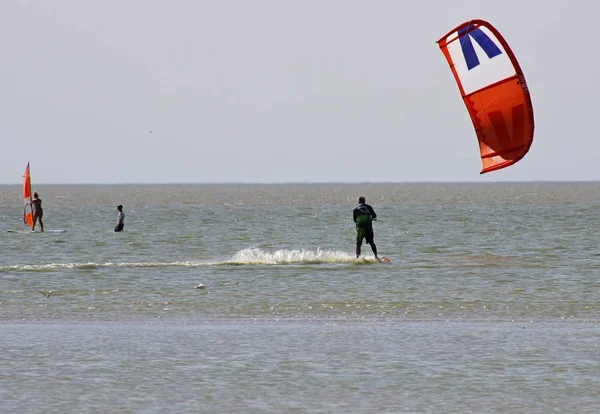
x=490 y=302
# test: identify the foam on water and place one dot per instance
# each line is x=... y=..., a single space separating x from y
x=284 y=256
x=61 y=266
x=249 y=256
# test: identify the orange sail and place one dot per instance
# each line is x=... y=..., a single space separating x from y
x=27 y=212
x=493 y=88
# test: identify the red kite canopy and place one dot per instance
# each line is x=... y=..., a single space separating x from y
x=493 y=88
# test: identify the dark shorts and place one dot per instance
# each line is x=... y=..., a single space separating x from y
x=120 y=227
x=364 y=233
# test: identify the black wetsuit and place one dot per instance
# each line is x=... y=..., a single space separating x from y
x=363 y=215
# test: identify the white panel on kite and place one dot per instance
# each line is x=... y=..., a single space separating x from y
x=479 y=58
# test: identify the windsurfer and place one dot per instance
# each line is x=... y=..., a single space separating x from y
x=363 y=215
x=37 y=211
x=120 y=219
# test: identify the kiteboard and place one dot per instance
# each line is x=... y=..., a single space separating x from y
x=371 y=260
x=36 y=231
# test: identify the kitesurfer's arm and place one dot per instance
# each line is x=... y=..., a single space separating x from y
x=373 y=214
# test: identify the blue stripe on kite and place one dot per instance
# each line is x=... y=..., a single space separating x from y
x=487 y=44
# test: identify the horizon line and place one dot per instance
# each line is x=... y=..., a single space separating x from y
x=309 y=182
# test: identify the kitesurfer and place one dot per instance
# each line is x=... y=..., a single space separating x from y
x=363 y=215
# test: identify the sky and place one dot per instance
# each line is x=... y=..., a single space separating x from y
x=204 y=91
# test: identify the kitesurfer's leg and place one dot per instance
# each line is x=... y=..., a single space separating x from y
x=370 y=236
x=374 y=248
x=360 y=235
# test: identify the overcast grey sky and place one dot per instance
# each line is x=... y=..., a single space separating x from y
x=279 y=91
